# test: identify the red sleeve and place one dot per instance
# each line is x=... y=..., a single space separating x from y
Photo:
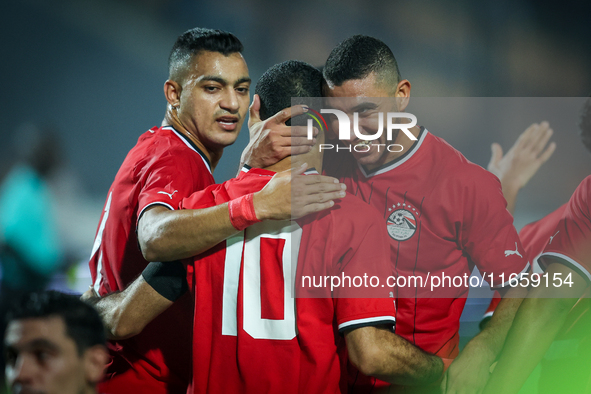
x=534 y=236
x=231 y=189
x=169 y=178
x=571 y=243
x=203 y=198
x=487 y=234
x=352 y=313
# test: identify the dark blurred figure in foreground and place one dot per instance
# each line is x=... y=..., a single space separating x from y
x=54 y=344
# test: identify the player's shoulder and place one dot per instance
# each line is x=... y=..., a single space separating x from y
x=154 y=142
x=547 y=222
x=346 y=225
x=165 y=144
x=583 y=191
x=164 y=140
x=454 y=167
x=447 y=157
x=443 y=149
x=580 y=201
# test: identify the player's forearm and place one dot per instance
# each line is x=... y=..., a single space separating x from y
x=408 y=365
x=489 y=342
x=536 y=324
x=109 y=311
x=166 y=235
x=389 y=357
x=510 y=192
x=126 y=313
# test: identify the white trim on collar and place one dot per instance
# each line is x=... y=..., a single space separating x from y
x=205 y=161
x=396 y=163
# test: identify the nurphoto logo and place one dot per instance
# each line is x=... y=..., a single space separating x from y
x=344 y=128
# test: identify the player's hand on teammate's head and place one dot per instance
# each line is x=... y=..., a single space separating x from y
x=291 y=195
x=271 y=140
x=525 y=157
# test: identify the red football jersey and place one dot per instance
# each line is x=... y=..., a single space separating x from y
x=443 y=215
x=534 y=237
x=162 y=168
x=251 y=334
x=571 y=242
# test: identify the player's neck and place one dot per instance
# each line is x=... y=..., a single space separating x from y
x=401 y=139
x=213 y=156
x=313 y=159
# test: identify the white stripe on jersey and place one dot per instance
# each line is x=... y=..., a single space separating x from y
x=396 y=163
x=571 y=262
x=189 y=145
x=97 y=244
x=350 y=323
x=155 y=203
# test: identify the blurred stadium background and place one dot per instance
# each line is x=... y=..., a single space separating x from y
x=93 y=70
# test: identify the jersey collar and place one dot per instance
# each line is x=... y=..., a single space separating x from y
x=399 y=160
x=191 y=145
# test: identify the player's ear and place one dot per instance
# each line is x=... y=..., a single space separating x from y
x=172 y=92
x=402 y=94
x=95 y=360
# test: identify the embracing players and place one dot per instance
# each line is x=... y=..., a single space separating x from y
x=207 y=97
x=256 y=329
x=455 y=213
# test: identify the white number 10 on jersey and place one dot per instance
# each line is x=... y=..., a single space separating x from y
x=250 y=242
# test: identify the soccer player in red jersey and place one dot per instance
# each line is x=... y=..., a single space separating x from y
x=250 y=333
x=208 y=95
x=442 y=213
x=514 y=170
x=567 y=257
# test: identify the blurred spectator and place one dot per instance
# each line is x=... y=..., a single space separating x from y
x=29 y=245
x=55 y=344
x=30 y=250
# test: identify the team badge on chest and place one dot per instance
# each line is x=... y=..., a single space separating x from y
x=401 y=223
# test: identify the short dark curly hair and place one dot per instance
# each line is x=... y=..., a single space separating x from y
x=83 y=323
x=195 y=40
x=284 y=81
x=357 y=57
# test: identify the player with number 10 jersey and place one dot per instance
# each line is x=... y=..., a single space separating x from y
x=254 y=330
